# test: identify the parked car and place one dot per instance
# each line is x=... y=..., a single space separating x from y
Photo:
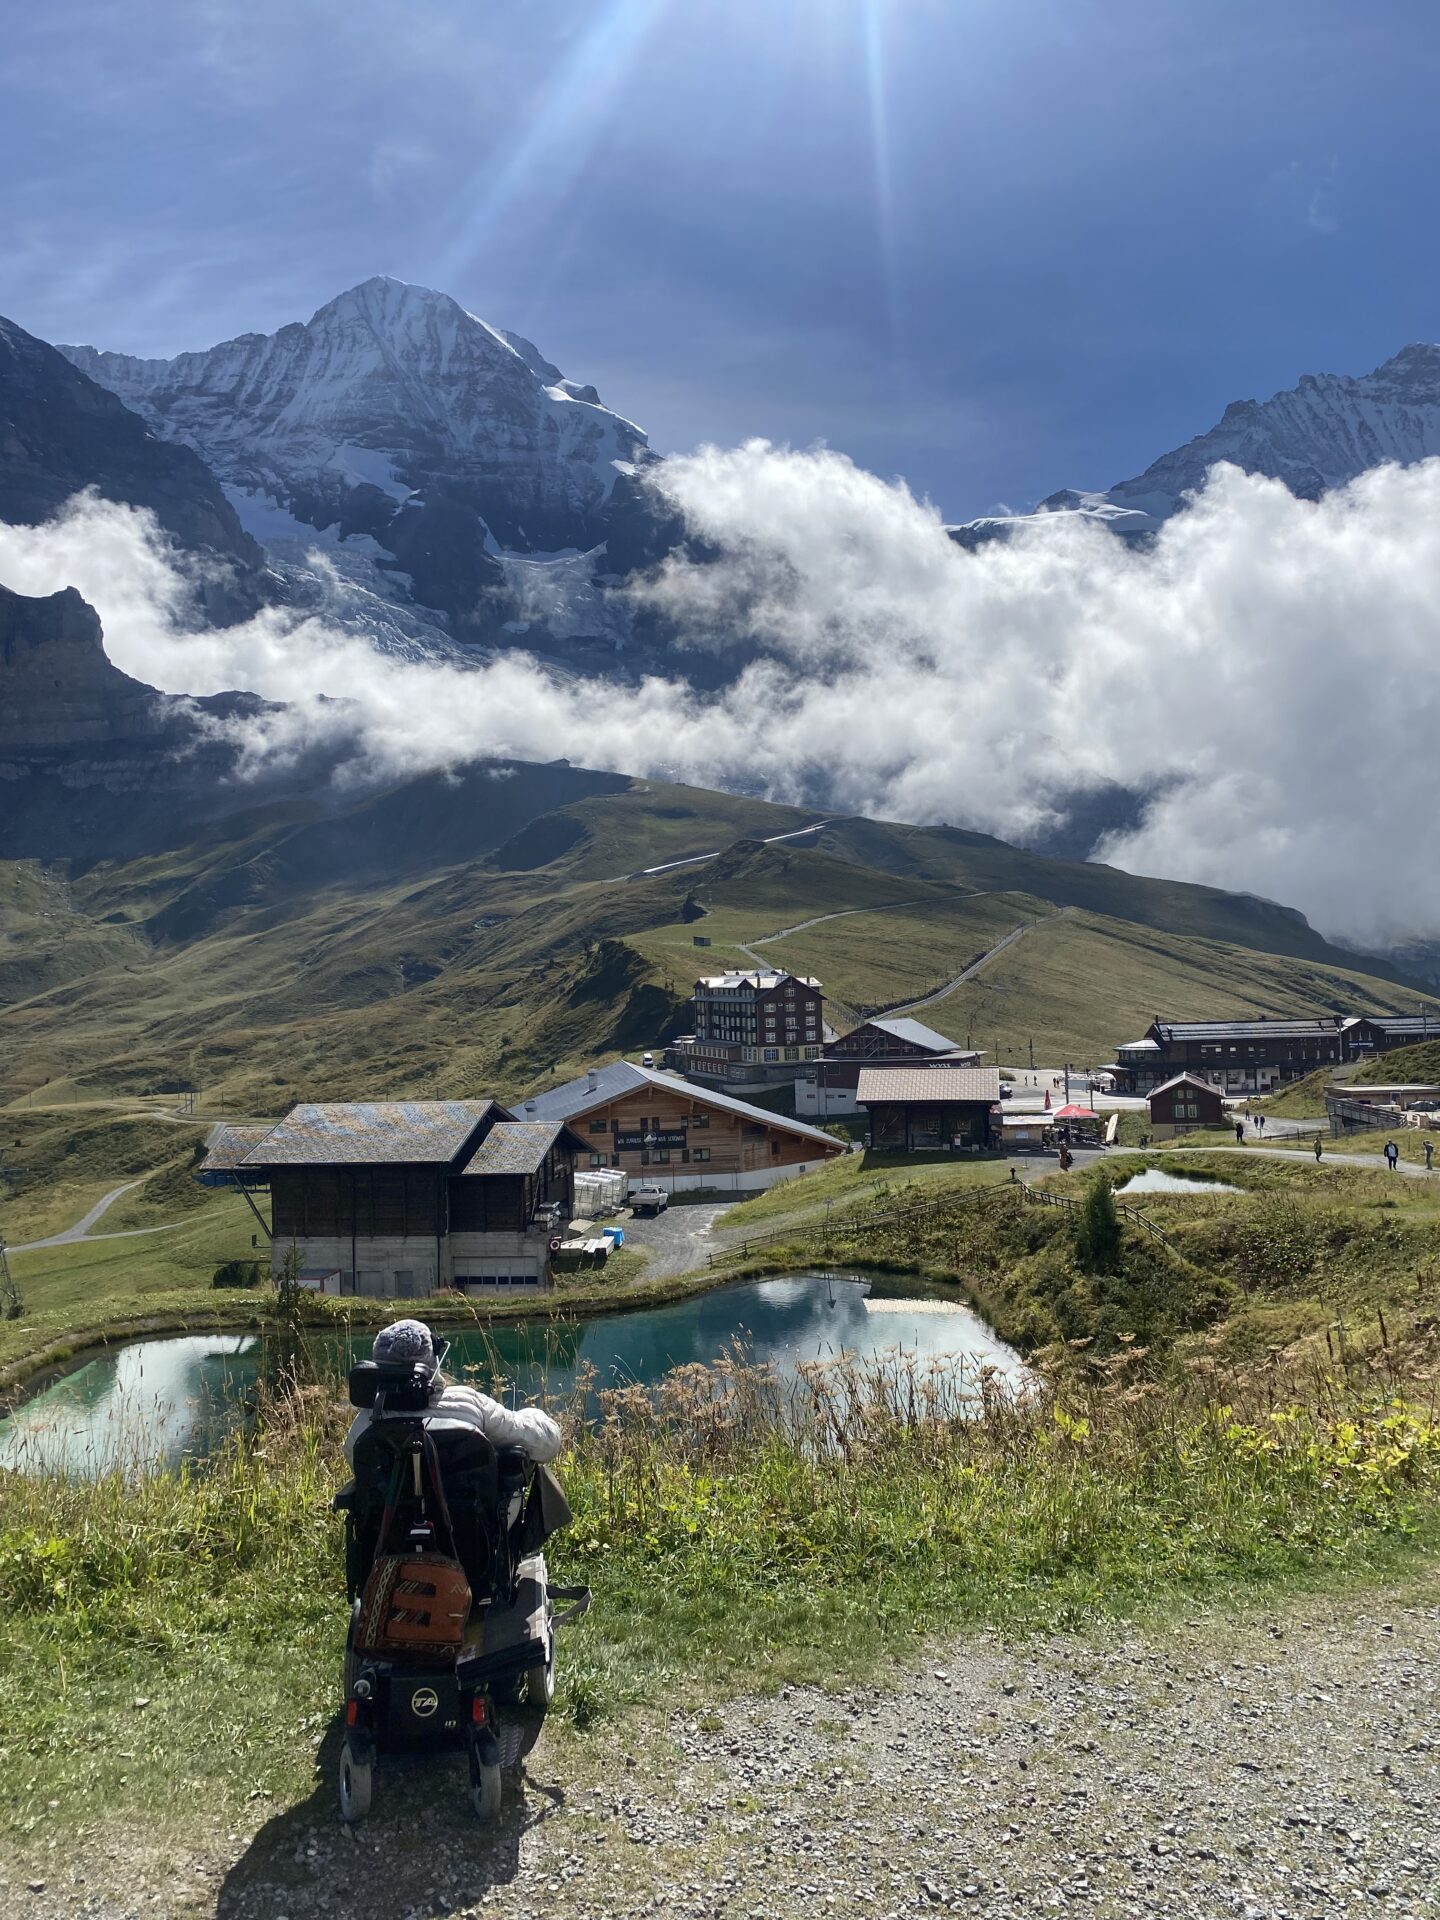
x=647 y=1059
x=649 y=1199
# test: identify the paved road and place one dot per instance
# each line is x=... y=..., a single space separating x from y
x=929 y=999
x=81 y=1228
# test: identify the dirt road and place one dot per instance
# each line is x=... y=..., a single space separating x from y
x=1282 y=1764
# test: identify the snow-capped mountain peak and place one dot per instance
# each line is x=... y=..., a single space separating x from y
x=1322 y=432
x=403 y=433
x=397 y=387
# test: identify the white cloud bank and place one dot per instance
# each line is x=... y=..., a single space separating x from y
x=1272 y=666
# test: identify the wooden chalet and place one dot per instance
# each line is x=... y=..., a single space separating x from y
x=394 y=1199
x=829 y=1087
x=1184 y=1103
x=931 y=1108
x=677 y=1133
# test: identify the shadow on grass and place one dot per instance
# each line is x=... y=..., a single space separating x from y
x=420 y=1852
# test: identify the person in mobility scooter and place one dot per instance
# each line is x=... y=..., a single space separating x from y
x=452 y=1627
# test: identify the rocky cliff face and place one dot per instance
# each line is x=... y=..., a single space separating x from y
x=399 y=424
x=60 y=432
x=94 y=764
x=1326 y=430
x=58 y=689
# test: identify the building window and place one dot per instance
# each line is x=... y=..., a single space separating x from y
x=597 y=1159
x=772 y=1053
x=774 y=1149
x=792 y=1053
x=700 y=1153
x=699 y=1119
x=662 y=1156
x=597 y=1126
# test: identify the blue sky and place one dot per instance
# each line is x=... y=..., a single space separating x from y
x=997 y=246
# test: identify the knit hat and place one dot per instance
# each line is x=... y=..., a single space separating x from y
x=404 y=1340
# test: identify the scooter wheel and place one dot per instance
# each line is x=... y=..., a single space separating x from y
x=485 y=1794
x=357 y=1784
x=540 y=1683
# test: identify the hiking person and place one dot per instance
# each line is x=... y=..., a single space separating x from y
x=1392 y=1154
x=1239 y=1133
x=1317 y=1149
x=1429 y=1151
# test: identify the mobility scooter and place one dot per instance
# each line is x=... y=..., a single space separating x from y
x=451 y=1643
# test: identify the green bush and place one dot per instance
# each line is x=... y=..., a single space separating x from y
x=238 y=1273
x=1097 y=1229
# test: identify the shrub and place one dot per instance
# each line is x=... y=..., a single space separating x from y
x=1097 y=1231
x=238 y=1273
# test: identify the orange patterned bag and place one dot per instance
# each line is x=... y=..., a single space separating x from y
x=410 y=1602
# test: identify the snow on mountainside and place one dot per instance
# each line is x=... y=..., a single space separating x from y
x=407 y=432
x=1316 y=435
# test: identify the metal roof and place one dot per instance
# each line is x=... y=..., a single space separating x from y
x=620 y=1077
x=1246 y=1029
x=918 y=1035
x=514 y=1146
x=927 y=1086
x=226 y=1146
x=371 y=1133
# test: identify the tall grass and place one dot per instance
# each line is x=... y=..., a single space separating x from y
x=737 y=1526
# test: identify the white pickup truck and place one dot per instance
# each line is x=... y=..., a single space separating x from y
x=648 y=1199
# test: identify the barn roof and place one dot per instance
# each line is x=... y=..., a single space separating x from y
x=928 y=1086
x=226 y=1146
x=372 y=1133
x=515 y=1146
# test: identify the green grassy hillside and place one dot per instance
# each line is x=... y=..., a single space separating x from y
x=440 y=937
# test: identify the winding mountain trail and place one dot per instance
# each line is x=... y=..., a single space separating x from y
x=969 y=973
x=818 y=920
x=81 y=1228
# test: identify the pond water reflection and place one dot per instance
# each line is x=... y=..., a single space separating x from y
x=168 y=1399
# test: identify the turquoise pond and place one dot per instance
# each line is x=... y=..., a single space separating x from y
x=1156 y=1180
x=169 y=1399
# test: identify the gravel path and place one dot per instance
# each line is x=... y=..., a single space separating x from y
x=1266 y=1768
x=680 y=1239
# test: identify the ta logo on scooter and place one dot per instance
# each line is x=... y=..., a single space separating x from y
x=424 y=1701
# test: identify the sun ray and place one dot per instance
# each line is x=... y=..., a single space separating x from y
x=562 y=134
x=875 y=83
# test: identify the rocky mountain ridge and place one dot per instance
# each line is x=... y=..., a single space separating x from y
x=398 y=426
x=1326 y=430
x=61 y=433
